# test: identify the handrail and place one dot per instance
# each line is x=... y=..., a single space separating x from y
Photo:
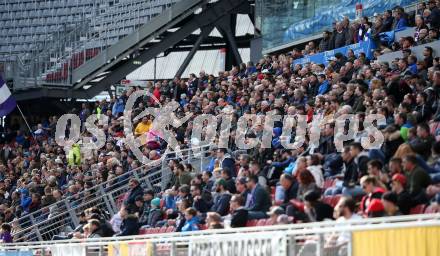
x=68 y=200
x=293 y=229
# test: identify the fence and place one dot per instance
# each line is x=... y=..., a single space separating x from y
x=62 y=216
x=408 y=232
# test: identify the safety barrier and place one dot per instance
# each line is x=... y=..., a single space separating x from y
x=283 y=240
x=108 y=196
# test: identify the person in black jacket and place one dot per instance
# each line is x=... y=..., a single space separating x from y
x=135 y=191
x=130 y=224
x=201 y=204
x=315 y=209
x=230 y=182
x=258 y=199
x=349 y=176
x=404 y=200
x=326 y=42
x=239 y=215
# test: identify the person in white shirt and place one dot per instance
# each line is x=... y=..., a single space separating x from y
x=116 y=220
x=344 y=211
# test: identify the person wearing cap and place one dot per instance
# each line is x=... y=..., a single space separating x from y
x=375 y=209
x=274 y=213
x=417 y=179
x=221 y=199
x=404 y=200
x=389 y=201
x=155 y=214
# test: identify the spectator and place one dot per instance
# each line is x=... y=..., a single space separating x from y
x=221 y=199
x=274 y=213
x=130 y=224
x=418 y=179
x=400 y=21
x=230 y=183
x=373 y=190
x=389 y=201
x=143 y=127
x=315 y=209
x=201 y=203
x=404 y=200
x=239 y=214
x=192 y=220
x=94 y=227
x=155 y=213
x=340 y=36
x=434 y=17
x=5 y=233
x=375 y=209
x=135 y=192
x=258 y=200
x=225 y=161
x=214 y=221
x=344 y=211
x=326 y=42
x=182 y=177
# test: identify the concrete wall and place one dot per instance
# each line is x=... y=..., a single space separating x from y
x=417 y=51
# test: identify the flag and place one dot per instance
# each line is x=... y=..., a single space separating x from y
x=7 y=102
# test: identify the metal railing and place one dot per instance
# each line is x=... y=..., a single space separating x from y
x=108 y=196
x=286 y=240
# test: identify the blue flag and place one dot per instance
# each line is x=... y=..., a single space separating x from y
x=7 y=102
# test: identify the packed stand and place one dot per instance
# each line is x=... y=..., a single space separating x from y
x=260 y=186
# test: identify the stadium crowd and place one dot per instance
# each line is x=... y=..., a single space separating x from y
x=283 y=186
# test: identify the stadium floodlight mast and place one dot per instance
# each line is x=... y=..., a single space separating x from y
x=204 y=129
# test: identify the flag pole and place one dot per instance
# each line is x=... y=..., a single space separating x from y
x=24 y=118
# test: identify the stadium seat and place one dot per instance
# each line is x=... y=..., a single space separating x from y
x=331 y=200
x=299 y=205
x=431 y=209
x=261 y=222
x=251 y=223
x=170 y=229
x=328 y=183
x=143 y=231
x=418 y=209
x=163 y=229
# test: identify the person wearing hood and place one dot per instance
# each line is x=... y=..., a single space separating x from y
x=26 y=200
x=74 y=156
x=276 y=140
x=192 y=221
x=155 y=213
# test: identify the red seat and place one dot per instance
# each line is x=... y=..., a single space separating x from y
x=328 y=183
x=431 y=209
x=251 y=223
x=163 y=229
x=155 y=230
x=143 y=231
x=170 y=229
x=418 y=209
x=299 y=205
x=261 y=222
x=335 y=200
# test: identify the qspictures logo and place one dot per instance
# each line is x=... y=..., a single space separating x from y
x=208 y=128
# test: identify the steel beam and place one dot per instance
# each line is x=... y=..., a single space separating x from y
x=205 y=32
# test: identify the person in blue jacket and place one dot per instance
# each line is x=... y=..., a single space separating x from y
x=324 y=85
x=26 y=200
x=192 y=221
